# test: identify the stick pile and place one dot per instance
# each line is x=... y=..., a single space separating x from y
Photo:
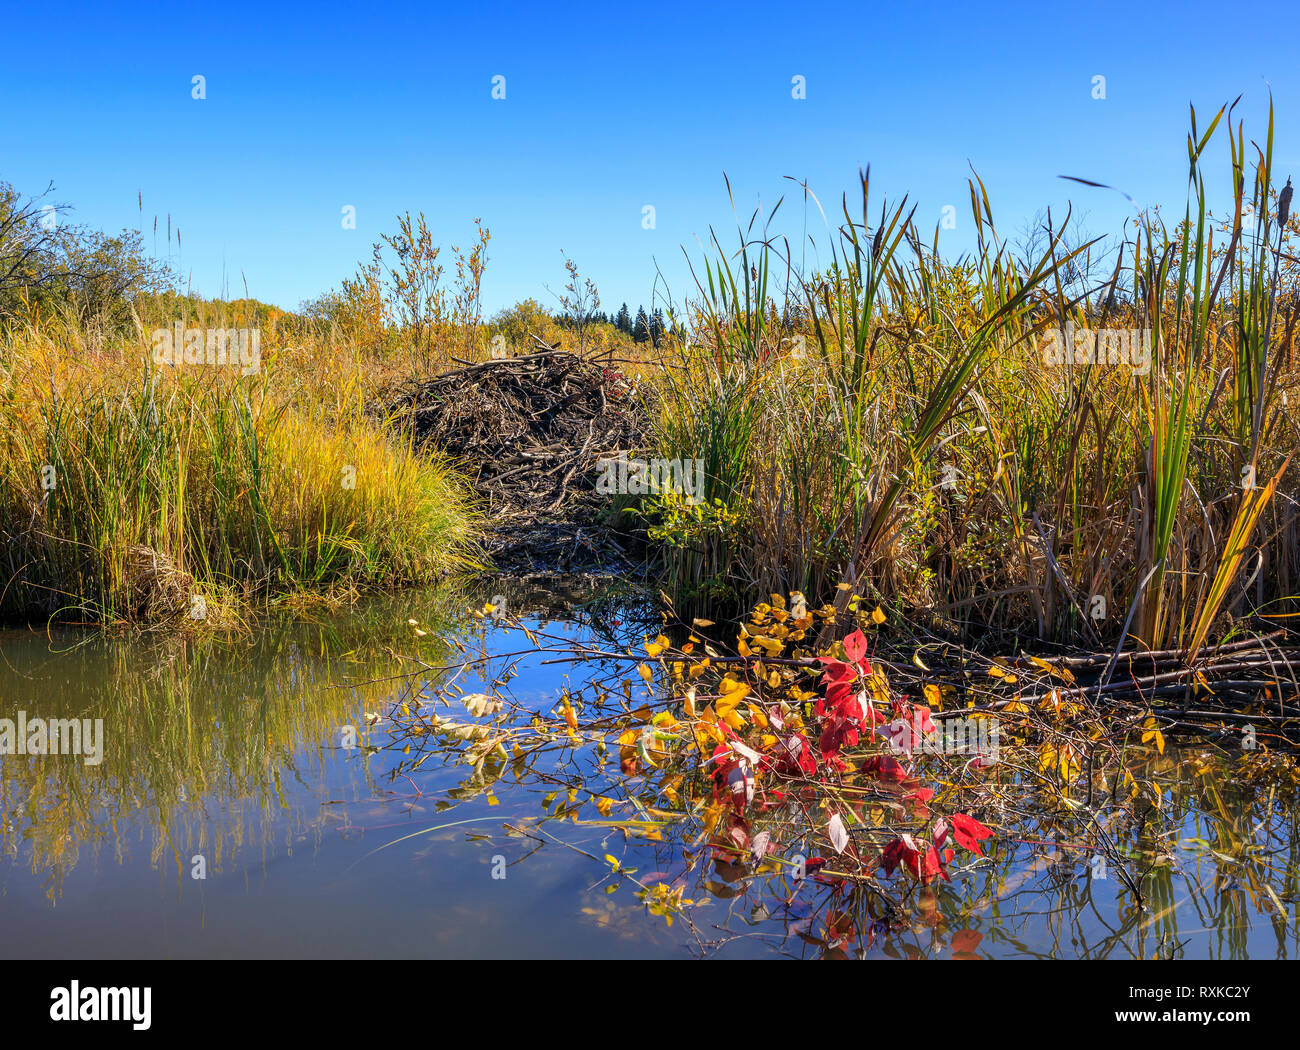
x=531 y=431
x=1255 y=680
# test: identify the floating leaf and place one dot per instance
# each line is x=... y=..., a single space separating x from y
x=839 y=836
x=480 y=704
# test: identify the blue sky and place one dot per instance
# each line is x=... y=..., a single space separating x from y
x=608 y=108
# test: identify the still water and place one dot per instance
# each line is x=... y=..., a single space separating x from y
x=247 y=804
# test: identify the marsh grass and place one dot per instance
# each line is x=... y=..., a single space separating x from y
x=890 y=426
x=132 y=492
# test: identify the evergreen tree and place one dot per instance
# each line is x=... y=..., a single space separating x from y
x=656 y=327
x=642 y=330
x=624 y=320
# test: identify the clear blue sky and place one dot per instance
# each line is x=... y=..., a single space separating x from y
x=608 y=108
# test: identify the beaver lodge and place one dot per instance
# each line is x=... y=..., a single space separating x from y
x=531 y=432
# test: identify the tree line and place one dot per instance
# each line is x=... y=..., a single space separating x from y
x=646 y=326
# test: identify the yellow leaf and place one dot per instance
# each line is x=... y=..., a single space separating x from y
x=731 y=684
x=996 y=671
x=1152 y=728
x=1042 y=664
x=707 y=736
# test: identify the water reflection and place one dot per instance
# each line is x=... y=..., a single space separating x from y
x=240 y=752
x=195 y=729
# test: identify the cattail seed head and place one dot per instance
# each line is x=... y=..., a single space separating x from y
x=1284 y=204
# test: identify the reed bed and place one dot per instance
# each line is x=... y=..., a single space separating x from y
x=144 y=493
x=907 y=428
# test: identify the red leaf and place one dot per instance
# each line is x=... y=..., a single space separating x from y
x=813 y=866
x=886 y=767
x=891 y=855
x=912 y=859
x=855 y=647
x=794 y=756
x=901 y=849
x=732 y=778
x=836 y=670
x=869 y=712
x=968 y=832
x=932 y=866
x=841 y=701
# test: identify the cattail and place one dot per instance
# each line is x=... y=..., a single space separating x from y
x=1284 y=204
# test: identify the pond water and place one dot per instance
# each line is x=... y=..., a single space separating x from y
x=246 y=806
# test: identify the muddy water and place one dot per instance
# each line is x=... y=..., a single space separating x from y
x=244 y=806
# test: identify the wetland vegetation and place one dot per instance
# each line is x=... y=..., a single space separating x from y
x=937 y=606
